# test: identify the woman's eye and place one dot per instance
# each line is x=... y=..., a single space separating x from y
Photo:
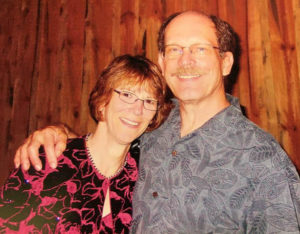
x=126 y=95
x=151 y=102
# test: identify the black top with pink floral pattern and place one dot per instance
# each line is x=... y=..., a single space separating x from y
x=69 y=198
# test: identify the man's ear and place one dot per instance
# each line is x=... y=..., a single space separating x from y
x=161 y=63
x=227 y=62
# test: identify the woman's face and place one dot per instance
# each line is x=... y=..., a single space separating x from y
x=125 y=122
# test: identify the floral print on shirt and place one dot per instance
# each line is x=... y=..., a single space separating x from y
x=70 y=198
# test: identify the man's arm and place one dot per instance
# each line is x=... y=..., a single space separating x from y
x=53 y=138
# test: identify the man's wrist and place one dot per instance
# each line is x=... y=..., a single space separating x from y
x=68 y=131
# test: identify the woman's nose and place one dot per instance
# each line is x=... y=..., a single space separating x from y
x=138 y=106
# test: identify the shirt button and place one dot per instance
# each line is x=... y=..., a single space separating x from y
x=155 y=194
x=174 y=153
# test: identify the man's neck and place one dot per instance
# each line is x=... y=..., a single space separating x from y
x=195 y=114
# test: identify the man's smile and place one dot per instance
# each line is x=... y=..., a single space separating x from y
x=189 y=76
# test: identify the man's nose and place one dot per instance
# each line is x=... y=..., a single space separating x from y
x=186 y=58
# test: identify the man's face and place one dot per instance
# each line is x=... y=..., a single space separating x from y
x=194 y=76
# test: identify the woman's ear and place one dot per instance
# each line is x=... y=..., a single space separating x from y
x=100 y=113
x=227 y=62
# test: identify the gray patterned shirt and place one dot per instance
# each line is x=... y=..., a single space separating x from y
x=228 y=176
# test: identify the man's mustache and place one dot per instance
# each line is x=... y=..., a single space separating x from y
x=181 y=71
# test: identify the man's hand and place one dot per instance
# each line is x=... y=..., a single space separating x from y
x=54 y=140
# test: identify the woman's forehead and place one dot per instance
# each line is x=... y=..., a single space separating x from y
x=144 y=86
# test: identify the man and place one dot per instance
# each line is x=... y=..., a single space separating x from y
x=207 y=169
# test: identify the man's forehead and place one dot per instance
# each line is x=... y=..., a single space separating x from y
x=191 y=26
x=187 y=17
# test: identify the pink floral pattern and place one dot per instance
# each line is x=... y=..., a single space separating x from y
x=68 y=199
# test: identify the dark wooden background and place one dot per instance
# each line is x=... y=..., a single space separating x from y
x=52 y=51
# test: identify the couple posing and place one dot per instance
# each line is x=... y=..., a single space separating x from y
x=203 y=167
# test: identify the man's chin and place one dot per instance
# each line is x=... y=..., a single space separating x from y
x=188 y=97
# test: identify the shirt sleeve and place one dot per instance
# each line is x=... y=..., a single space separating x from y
x=275 y=205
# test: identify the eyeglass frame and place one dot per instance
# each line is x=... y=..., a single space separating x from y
x=189 y=47
x=137 y=98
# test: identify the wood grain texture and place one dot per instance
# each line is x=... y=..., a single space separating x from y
x=18 y=47
x=53 y=51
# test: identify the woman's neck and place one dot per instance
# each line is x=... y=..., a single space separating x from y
x=108 y=156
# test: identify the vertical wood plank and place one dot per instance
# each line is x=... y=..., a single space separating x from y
x=261 y=83
x=235 y=13
x=47 y=77
x=129 y=26
x=206 y=6
x=149 y=23
x=286 y=81
x=19 y=51
x=8 y=43
x=293 y=144
x=97 y=52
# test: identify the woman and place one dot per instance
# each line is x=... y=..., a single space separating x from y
x=91 y=189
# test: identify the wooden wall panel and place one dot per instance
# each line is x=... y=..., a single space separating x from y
x=261 y=82
x=289 y=100
x=235 y=13
x=53 y=51
x=18 y=45
x=6 y=85
x=98 y=33
x=274 y=72
x=151 y=13
x=57 y=78
x=69 y=87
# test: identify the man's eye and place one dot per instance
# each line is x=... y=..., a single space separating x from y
x=173 y=50
x=200 y=50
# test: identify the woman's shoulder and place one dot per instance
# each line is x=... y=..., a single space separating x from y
x=77 y=143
